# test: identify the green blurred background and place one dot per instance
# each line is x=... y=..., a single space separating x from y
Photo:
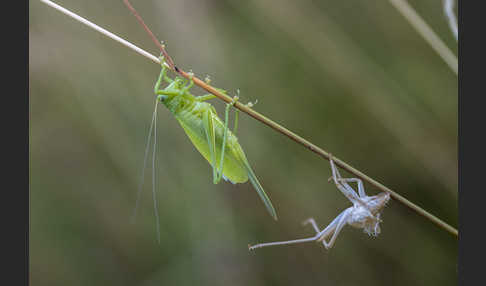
x=351 y=76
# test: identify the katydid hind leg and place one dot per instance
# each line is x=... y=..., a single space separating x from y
x=359 y=182
x=343 y=187
x=225 y=134
x=319 y=235
x=313 y=223
x=338 y=223
x=223 y=147
x=209 y=130
x=209 y=96
x=225 y=137
x=295 y=241
x=209 y=126
x=205 y=97
x=330 y=229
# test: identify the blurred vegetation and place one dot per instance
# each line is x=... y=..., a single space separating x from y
x=351 y=76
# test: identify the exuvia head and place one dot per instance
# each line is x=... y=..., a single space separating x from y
x=375 y=205
x=378 y=202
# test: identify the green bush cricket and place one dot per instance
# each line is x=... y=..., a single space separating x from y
x=211 y=137
x=199 y=119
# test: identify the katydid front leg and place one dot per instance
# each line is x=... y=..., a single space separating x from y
x=163 y=76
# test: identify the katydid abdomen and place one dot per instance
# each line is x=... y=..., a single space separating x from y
x=233 y=167
x=191 y=115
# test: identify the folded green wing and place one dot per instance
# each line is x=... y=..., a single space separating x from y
x=233 y=169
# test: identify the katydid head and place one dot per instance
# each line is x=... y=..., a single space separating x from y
x=162 y=98
x=369 y=219
x=176 y=85
x=172 y=90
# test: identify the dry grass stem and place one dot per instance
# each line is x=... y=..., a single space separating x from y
x=279 y=128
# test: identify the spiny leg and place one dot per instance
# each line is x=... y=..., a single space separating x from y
x=336 y=176
x=249 y=104
x=235 y=98
x=209 y=96
x=205 y=97
x=340 y=222
x=217 y=173
x=209 y=130
x=320 y=235
x=345 y=188
x=314 y=225
x=159 y=80
x=331 y=228
x=169 y=90
x=295 y=241
x=162 y=61
x=162 y=76
x=225 y=136
x=191 y=83
x=361 y=190
x=362 y=194
x=377 y=228
x=259 y=189
x=235 y=126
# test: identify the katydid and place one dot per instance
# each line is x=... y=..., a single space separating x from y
x=211 y=137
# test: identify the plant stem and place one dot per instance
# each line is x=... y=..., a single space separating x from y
x=279 y=128
x=451 y=17
x=426 y=32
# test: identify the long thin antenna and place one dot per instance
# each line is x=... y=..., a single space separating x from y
x=272 y=124
x=140 y=187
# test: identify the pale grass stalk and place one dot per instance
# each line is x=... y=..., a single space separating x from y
x=451 y=17
x=265 y=120
x=102 y=31
x=427 y=33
